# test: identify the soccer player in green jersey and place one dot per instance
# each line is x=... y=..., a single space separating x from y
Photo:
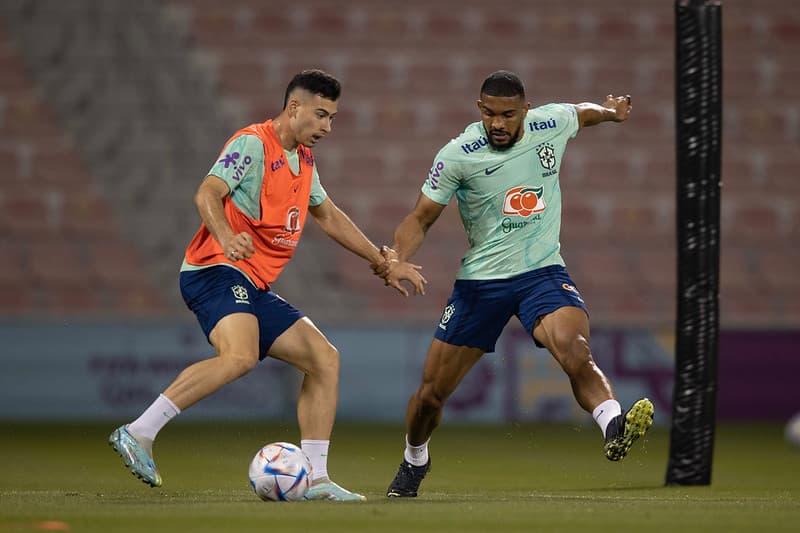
x=503 y=171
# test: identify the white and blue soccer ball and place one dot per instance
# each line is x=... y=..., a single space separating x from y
x=280 y=472
x=792 y=430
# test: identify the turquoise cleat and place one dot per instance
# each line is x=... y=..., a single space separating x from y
x=328 y=490
x=135 y=456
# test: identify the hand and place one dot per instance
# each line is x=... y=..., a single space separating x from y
x=239 y=247
x=403 y=271
x=621 y=106
x=390 y=259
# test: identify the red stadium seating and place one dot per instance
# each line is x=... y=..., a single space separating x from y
x=417 y=71
x=50 y=210
x=410 y=80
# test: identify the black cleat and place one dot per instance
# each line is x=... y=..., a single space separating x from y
x=625 y=429
x=407 y=480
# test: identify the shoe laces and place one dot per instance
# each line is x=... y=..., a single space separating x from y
x=413 y=473
x=616 y=428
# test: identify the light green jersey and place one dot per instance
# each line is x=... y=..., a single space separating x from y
x=242 y=167
x=245 y=174
x=509 y=201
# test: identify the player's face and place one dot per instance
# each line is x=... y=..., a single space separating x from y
x=311 y=117
x=502 y=117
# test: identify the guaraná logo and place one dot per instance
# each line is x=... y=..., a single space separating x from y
x=524 y=201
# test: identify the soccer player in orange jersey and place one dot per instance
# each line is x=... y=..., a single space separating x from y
x=253 y=205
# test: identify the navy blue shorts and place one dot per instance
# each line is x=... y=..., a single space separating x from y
x=478 y=310
x=215 y=292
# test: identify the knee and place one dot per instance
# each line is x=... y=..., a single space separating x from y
x=238 y=364
x=574 y=354
x=429 y=398
x=325 y=361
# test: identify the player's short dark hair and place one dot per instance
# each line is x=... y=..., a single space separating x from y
x=314 y=81
x=503 y=83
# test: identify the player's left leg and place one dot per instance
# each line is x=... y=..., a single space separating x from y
x=565 y=333
x=623 y=431
x=306 y=348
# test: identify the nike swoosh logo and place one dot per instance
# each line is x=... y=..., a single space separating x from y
x=490 y=171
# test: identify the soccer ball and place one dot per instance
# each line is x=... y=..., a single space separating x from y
x=792 y=430
x=280 y=472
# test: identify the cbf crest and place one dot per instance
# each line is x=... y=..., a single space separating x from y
x=240 y=293
x=547 y=155
x=447 y=314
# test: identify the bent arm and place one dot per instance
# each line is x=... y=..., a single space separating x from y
x=208 y=201
x=411 y=232
x=614 y=109
x=338 y=226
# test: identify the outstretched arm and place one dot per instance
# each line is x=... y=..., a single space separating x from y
x=614 y=109
x=338 y=226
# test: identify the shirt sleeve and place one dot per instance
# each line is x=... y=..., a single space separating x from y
x=240 y=161
x=567 y=114
x=318 y=193
x=443 y=178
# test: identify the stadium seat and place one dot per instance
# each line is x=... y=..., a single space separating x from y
x=17 y=298
x=779 y=269
x=15 y=266
x=55 y=262
x=115 y=264
x=137 y=299
x=88 y=216
x=72 y=301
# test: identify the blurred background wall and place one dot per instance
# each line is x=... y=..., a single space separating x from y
x=111 y=113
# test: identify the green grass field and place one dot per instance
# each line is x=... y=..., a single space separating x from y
x=484 y=478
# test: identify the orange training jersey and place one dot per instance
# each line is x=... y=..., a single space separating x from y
x=283 y=205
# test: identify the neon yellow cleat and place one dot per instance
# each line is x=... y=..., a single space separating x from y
x=624 y=430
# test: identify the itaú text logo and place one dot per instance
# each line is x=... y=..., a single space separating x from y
x=524 y=201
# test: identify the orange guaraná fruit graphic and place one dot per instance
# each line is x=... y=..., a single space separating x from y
x=523 y=201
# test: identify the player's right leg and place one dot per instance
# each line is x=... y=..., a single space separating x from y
x=475 y=315
x=445 y=367
x=227 y=317
x=235 y=338
x=136 y=458
x=562 y=326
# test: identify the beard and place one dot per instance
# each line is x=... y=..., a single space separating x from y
x=513 y=137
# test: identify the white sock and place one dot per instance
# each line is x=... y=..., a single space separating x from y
x=417 y=455
x=145 y=428
x=317 y=452
x=605 y=413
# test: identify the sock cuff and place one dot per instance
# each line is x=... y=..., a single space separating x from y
x=608 y=406
x=312 y=442
x=408 y=444
x=170 y=403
